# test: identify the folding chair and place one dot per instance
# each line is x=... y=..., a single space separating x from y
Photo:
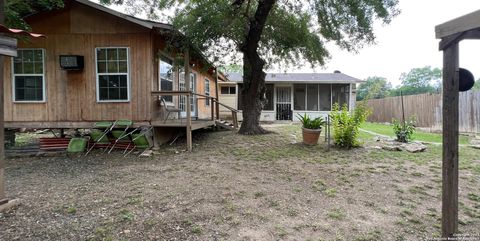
x=139 y=140
x=100 y=137
x=122 y=134
x=77 y=144
x=169 y=109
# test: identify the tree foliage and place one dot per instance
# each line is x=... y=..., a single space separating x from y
x=16 y=10
x=477 y=85
x=419 y=81
x=266 y=32
x=374 y=88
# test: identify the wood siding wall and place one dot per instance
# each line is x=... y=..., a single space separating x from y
x=428 y=110
x=71 y=95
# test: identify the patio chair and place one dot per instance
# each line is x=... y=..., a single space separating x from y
x=121 y=134
x=99 y=136
x=169 y=109
x=139 y=140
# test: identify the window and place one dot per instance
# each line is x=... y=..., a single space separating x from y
x=269 y=97
x=228 y=90
x=299 y=96
x=166 y=77
x=207 y=92
x=29 y=75
x=112 y=75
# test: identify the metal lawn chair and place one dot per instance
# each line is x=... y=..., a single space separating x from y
x=99 y=134
x=121 y=134
x=169 y=109
x=139 y=140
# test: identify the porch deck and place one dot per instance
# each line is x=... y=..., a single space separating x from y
x=195 y=124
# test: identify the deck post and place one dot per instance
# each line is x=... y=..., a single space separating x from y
x=217 y=106
x=188 y=101
x=450 y=141
x=212 y=106
x=3 y=197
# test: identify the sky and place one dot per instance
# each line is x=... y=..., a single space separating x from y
x=407 y=42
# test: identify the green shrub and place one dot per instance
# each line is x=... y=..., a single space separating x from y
x=404 y=131
x=345 y=124
x=310 y=123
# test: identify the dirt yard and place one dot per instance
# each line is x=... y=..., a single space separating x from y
x=235 y=187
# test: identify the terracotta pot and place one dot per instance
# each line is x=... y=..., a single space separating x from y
x=310 y=136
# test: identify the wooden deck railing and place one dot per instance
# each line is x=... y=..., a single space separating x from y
x=214 y=104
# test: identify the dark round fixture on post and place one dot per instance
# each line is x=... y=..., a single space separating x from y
x=466 y=80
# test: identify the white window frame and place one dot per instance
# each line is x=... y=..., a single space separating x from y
x=207 y=91
x=97 y=84
x=44 y=91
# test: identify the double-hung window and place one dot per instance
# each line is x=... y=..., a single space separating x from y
x=29 y=75
x=207 y=92
x=113 y=84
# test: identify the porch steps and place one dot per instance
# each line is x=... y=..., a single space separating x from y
x=225 y=124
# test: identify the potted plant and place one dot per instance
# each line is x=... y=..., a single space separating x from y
x=311 y=128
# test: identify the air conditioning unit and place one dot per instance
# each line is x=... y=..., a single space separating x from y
x=71 y=62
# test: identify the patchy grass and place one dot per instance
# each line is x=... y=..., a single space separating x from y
x=387 y=130
x=234 y=187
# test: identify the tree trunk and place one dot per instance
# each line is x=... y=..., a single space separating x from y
x=253 y=91
x=252 y=94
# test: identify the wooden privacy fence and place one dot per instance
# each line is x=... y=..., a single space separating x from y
x=428 y=110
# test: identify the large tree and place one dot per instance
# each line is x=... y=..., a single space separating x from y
x=268 y=32
x=373 y=88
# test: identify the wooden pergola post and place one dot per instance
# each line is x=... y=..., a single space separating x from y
x=451 y=33
x=188 y=101
x=3 y=197
x=450 y=141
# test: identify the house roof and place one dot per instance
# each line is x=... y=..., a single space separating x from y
x=461 y=24
x=302 y=77
x=145 y=23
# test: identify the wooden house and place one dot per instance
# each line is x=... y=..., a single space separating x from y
x=290 y=94
x=96 y=64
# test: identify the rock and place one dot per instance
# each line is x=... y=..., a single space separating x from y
x=414 y=147
x=475 y=146
x=147 y=153
x=475 y=142
x=391 y=148
x=382 y=139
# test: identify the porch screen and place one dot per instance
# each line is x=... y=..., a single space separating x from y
x=340 y=93
x=325 y=97
x=112 y=74
x=312 y=97
x=269 y=96
x=299 y=95
x=29 y=75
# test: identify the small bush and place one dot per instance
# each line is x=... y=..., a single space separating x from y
x=404 y=132
x=346 y=124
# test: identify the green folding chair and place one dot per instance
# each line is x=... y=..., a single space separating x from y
x=100 y=137
x=122 y=134
x=77 y=144
x=139 y=140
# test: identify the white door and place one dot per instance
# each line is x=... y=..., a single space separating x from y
x=183 y=99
